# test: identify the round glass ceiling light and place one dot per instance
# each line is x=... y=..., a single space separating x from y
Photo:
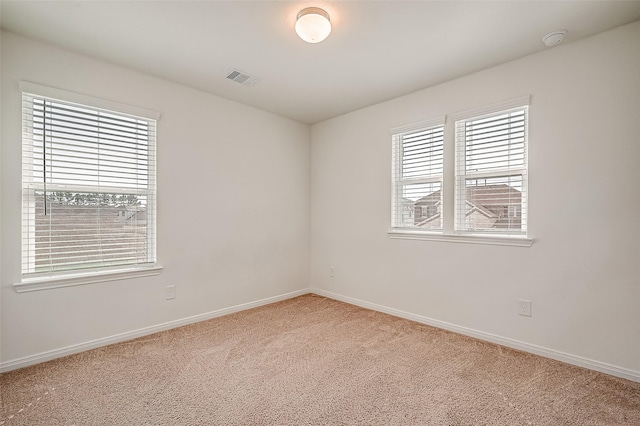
x=313 y=25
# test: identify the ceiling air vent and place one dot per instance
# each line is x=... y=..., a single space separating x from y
x=241 y=77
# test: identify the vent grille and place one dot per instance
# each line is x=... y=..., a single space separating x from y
x=241 y=77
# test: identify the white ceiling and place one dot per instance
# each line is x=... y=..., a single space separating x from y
x=377 y=50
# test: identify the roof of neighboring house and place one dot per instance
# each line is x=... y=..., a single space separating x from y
x=488 y=195
x=429 y=220
x=481 y=209
x=432 y=198
x=479 y=198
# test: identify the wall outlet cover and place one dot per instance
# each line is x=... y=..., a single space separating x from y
x=524 y=307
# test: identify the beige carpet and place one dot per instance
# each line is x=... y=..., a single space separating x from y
x=312 y=361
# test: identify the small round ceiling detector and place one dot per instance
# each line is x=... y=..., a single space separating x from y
x=554 y=38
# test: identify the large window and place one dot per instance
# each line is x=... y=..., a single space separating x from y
x=417 y=176
x=464 y=181
x=89 y=187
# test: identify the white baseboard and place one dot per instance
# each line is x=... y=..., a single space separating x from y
x=511 y=343
x=93 y=344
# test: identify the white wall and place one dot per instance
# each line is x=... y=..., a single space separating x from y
x=1 y=234
x=582 y=272
x=233 y=206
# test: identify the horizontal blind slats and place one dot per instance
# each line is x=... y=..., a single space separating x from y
x=417 y=173
x=35 y=104
x=493 y=147
x=85 y=151
x=89 y=144
x=422 y=153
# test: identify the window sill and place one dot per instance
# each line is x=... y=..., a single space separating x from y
x=58 y=281
x=468 y=239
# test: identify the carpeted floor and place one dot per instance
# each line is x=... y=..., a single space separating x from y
x=312 y=361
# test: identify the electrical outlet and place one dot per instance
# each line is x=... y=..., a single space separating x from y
x=524 y=307
x=332 y=272
x=170 y=292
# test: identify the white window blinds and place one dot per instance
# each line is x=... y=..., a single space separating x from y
x=89 y=188
x=491 y=173
x=417 y=176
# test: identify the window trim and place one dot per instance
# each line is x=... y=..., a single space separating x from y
x=86 y=277
x=32 y=282
x=67 y=96
x=449 y=233
x=513 y=241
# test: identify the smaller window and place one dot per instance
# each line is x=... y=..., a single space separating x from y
x=491 y=173
x=417 y=176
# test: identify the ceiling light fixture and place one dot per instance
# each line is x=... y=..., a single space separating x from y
x=554 y=38
x=313 y=24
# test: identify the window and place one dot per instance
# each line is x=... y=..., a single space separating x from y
x=491 y=173
x=481 y=196
x=89 y=186
x=417 y=176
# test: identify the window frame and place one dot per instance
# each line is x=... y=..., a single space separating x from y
x=30 y=280
x=449 y=233
x=399 y=181
x=463 y=174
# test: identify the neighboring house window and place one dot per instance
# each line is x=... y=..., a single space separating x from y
x=417 y=175
x=491 y=173
x=89 y=186
x=429 y=210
